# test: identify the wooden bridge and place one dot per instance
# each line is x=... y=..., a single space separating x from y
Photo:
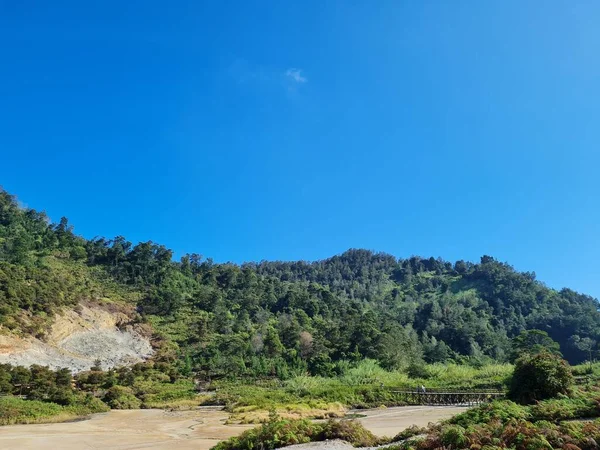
x=446 y=396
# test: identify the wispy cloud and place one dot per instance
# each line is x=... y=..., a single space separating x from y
x=246 y=73
x=295 y=75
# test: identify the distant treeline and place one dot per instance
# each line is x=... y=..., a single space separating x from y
x=286 y=318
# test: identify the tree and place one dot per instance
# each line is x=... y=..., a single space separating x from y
x=533 y=342
x=42 y=382
x=121 y=397
x=63 y=378
x=306 y=344
x=398 y=348
x=586 y=345
x=273 y=346
x=20 y=378
x=64 y=232
x=539 y=377
x=6 y=386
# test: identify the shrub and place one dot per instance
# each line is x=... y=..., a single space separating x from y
x=92 y=404
x=418 y=370
x=63 y=397
x=409 y=432
x=453 y=435
x=564 y=409
x=350 y=431
x=15 y=410
x=277 y=433
x=274 y=434
x=503 y=410
x=540 y=376
x=120 y=397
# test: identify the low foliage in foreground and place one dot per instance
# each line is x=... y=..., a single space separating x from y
x=514 y=434
x=569 y=423
x=582 y=405
x=278 y=433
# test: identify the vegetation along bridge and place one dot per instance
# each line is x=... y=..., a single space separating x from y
x=446 y=396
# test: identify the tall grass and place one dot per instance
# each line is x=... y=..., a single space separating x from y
x=588 y=369
x=14 y=410
x=154 y=393
x=363 y=385
x=453 y=375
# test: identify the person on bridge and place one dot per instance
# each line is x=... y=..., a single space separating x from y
x=423 y=390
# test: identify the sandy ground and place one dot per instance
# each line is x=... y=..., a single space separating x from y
x=182 y=430
x=390 y=421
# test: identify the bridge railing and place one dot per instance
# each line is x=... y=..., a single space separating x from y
x=447 y=390
x=417 y=396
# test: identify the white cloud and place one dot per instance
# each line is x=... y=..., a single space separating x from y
x=295 y=75
x=264 y=77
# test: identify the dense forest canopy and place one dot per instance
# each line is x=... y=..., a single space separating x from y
x=284 y=318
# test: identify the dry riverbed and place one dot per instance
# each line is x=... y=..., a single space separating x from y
x=183 y=430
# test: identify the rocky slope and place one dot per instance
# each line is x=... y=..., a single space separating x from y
x=79 y=337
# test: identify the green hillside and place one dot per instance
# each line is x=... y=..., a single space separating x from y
x=287 y=318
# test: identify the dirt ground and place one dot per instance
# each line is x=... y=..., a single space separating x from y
x=182 y=430
x=390 y=421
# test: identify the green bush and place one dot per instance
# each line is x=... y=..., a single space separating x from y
x=91 y=404
x=274 y=434
x=538 y=377
x=453 y=435
x=409 y=432
x=277 y=433
x=418 y=370
x=556 y=410
x=502 y=410
x=121 y=397
x=163 y=392
x=350 y=431
x=14 y=410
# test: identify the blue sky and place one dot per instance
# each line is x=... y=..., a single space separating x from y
x=296 y=130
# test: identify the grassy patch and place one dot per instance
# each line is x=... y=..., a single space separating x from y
x=250 y=414
x=14 y=410
x=160 y=392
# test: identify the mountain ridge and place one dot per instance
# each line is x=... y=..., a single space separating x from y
x=283 y=318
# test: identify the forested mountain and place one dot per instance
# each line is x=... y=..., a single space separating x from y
x=281 y=318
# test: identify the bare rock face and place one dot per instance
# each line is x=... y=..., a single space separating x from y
x=76 y=339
